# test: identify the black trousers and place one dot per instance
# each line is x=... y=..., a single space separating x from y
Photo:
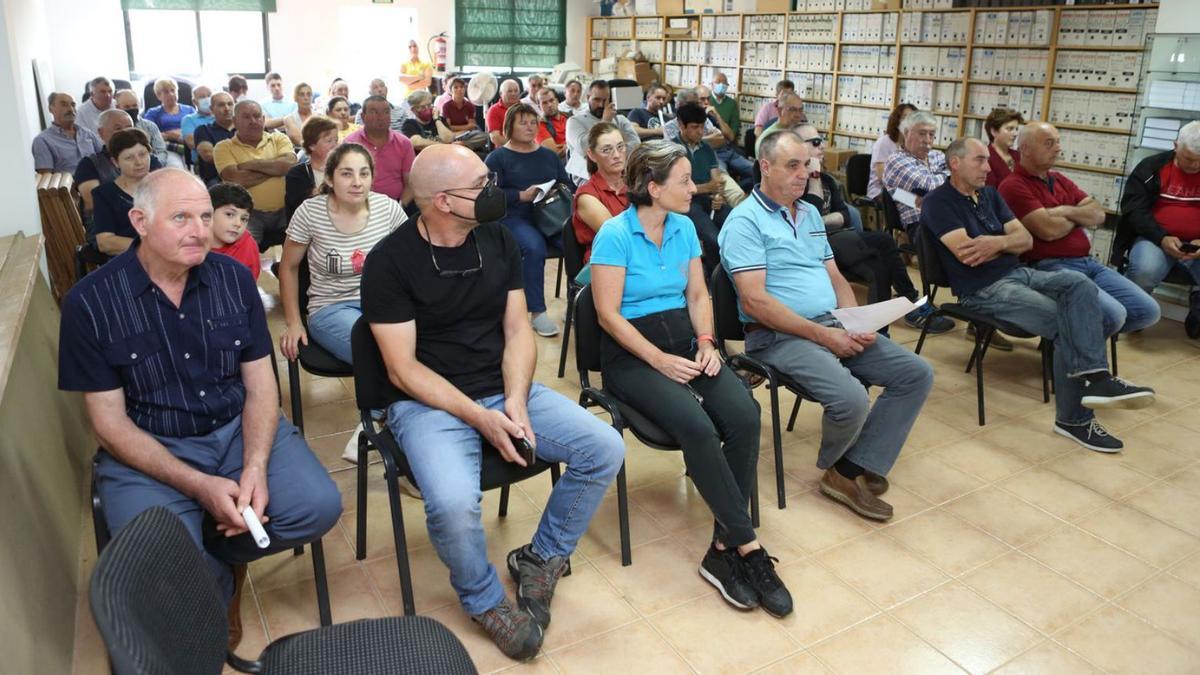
x=699 y=416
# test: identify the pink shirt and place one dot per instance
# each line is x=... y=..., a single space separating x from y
x=393 y=161
x=769 y=111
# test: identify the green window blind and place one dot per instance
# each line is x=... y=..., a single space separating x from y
x=201 y=5
x=510 y=34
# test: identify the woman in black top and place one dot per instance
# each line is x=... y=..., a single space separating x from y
x=424 y=128
x=111 y=229
x=320 y=137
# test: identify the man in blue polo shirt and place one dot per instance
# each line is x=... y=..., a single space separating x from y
x=978 y=241
x=171 y=350
x=775 y=247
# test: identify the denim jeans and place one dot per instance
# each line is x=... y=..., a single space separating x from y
x=714 y=419
x=1149 y=265
x=870 y=436
x=533 y=245
x=1063 y=306
x=855 y=221
x=1126 y=307
x=304 y=502
x=445 y=455
x=330 y=326
x=736 y=164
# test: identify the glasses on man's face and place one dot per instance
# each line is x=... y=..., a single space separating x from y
x=491 y=180
x=610 y=150
x=815 y=141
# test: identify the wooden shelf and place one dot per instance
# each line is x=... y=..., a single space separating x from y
x=1084 y=127
x=981 y=45
x=858 y=43
x=1096 y=169
x=874 y=106
x=952 y=45
x=931 y=78
x=1096 y=48
x=855 y=134
x=1099 y=90
x=1007 y=83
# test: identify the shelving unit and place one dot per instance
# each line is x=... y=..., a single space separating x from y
x=1076 y=66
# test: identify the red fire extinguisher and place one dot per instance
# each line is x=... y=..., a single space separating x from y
x=437 y=51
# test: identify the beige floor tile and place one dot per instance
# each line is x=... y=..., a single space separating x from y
x=663 y=575
x=1054 y=493
x=905 y=504
x=949 y=543
x=1171 y=504
x=979 y=459
x=961 y=412
x=484 y=653
x=882 y=645
x=779 y=546
x=1032 y=592
x=1187 y=477
x=282 y=569
x=329 y=449
x=745 y=641
x=1091 y=469
x=603 y=535
x=1188 y=570
x=881 y=569
x=636 y=648
x=1003 y=516
x=329 y=418
x=929 y=432
x=541 y=665
x=814 y=522
x=824 y=604
x=431 y=581
x=1147 y=538
x=1151 y=459
x=1167 y=434
x=293 y=608
x=1169 y=604
x=1031 y=440
x=975 y=633
x=1093 y=564
x=1048 y=658
x=674 y=504
x=585 y=605
x=931 y=478
x=1188 y=418
x=803 y=663
x=1122 y=643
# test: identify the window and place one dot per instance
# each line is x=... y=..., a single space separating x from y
x=197 y=36
x=511 y=35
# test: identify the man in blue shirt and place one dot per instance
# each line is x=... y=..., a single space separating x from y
x=63 y=143
x=171 y=350
x=979 y=240
x=202 y=99
x=775 y=247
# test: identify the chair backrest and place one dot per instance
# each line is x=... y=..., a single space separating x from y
x=891 y=214
x=933 y=275
x=572 y=251
x=62 y=228
x=726 y=321
x=858 y=174
x=587 y=334
x=155 y=601
x=372 y=388
x=748 y=142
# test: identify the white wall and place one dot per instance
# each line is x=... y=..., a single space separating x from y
x=1178 y=16
x=88 y=40
x=23 y=38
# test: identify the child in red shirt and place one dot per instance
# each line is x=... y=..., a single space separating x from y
x=231 y=214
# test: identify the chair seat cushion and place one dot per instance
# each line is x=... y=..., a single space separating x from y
x=320 y=362
x=957 y=311
x=408 y=644
x=646 y=431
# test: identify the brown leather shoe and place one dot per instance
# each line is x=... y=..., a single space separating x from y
x=875 y=483
x=235 y=607
x=855 y=495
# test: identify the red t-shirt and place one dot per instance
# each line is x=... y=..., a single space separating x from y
x=495 y=117
x=558 y=123
x=998 y=168
x=457 y=116
x=615 y=202
x=245 y=251
x=1178 y=206
x=1025 y=193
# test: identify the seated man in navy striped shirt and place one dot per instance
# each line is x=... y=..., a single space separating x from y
x=171 y=349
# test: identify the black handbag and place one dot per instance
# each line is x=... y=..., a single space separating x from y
x=553 y=213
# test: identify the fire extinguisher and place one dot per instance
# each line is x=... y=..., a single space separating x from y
x=437 y=51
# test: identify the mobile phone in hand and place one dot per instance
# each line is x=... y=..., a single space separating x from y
x=525 y=449
x=1188 y=247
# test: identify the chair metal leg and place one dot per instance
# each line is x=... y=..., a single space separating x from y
x=406 y=590
x=795 y=410
x=778 y=441
x=925 y=330
x=298 y=551
x=566 y=341
x=623 y=517
x=360 y=517
x=294 y=389
x=1113 y=360
x=979 y=383
x=318 y=559
x=1047 y=369
x=504 y=501
x=982 y=336
x=555 y=474
x=754 y=519
x=558 y=281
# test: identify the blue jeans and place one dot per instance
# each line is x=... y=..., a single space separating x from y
x=330 y=326
x=1149 y=265
x=1126 y=307
x=445 y=454
x=855 y=223
x=735 y=164
x=304 y=502
x=1063 y=306
x=533 y=245
x=870 y=436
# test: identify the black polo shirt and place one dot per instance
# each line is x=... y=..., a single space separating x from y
x=212 y=133
x=944 y=210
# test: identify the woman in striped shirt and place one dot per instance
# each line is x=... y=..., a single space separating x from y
x=335 y=230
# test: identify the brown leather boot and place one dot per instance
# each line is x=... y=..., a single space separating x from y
x=855 y=495
x=235 y=607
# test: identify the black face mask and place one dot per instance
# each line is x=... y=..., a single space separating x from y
x=490 y=204
x=133 y=114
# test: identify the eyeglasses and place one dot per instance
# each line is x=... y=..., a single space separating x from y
x=454 y=274
x=815 y=141
x=491 y=180
x=610 y=150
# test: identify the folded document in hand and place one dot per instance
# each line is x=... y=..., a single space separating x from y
x=870 y=318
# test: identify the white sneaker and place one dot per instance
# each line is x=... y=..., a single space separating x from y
x=350 y=454
x=543 y=325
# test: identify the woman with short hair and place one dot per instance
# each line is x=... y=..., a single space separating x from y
x=658 y=356
x=1002 y=126
x=338 y=110
x=885 y=146
x=293 y=124
x=111 y=229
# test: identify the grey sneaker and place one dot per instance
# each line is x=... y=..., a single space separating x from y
x=543 y=325
x=513 y=631
x=536 y=579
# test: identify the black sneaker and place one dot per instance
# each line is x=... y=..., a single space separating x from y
x=514 y=632
x=1102 y=390
x=724 y=569
x=917 y=318
x=773 y=596
x=1092 y=436
x=536 y=579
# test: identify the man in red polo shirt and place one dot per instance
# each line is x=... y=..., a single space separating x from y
x=1057 y=213
x=510 y=95
x=392 y=151
x=552 y=128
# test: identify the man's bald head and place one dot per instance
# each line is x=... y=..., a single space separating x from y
x=444 y=167
x=160 y=187
x=1039 y=146
x=126 y=98
x=112 y=120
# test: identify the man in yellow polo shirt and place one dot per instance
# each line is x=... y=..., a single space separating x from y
x=257 y=161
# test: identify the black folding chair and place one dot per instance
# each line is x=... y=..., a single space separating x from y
x=158 y=610
x=572 y=258
x=624 y=416
x=891 y=221
x=374 y=391
x=858 y=176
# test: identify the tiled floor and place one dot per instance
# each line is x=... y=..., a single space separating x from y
x=1012 y=550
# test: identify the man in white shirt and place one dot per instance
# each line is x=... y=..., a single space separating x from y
x=99 y=100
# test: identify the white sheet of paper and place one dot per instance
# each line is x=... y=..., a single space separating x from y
x=904 y=197
x=544 y=189
x=870 y=318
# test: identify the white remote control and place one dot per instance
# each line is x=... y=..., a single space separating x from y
x=256 y=528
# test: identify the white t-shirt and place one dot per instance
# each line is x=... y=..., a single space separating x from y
x=883 y=148
x=335 y=259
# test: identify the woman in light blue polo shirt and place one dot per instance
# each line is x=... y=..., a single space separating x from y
x=658 y=355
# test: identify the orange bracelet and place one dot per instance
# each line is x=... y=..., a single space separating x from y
x=701 y=338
